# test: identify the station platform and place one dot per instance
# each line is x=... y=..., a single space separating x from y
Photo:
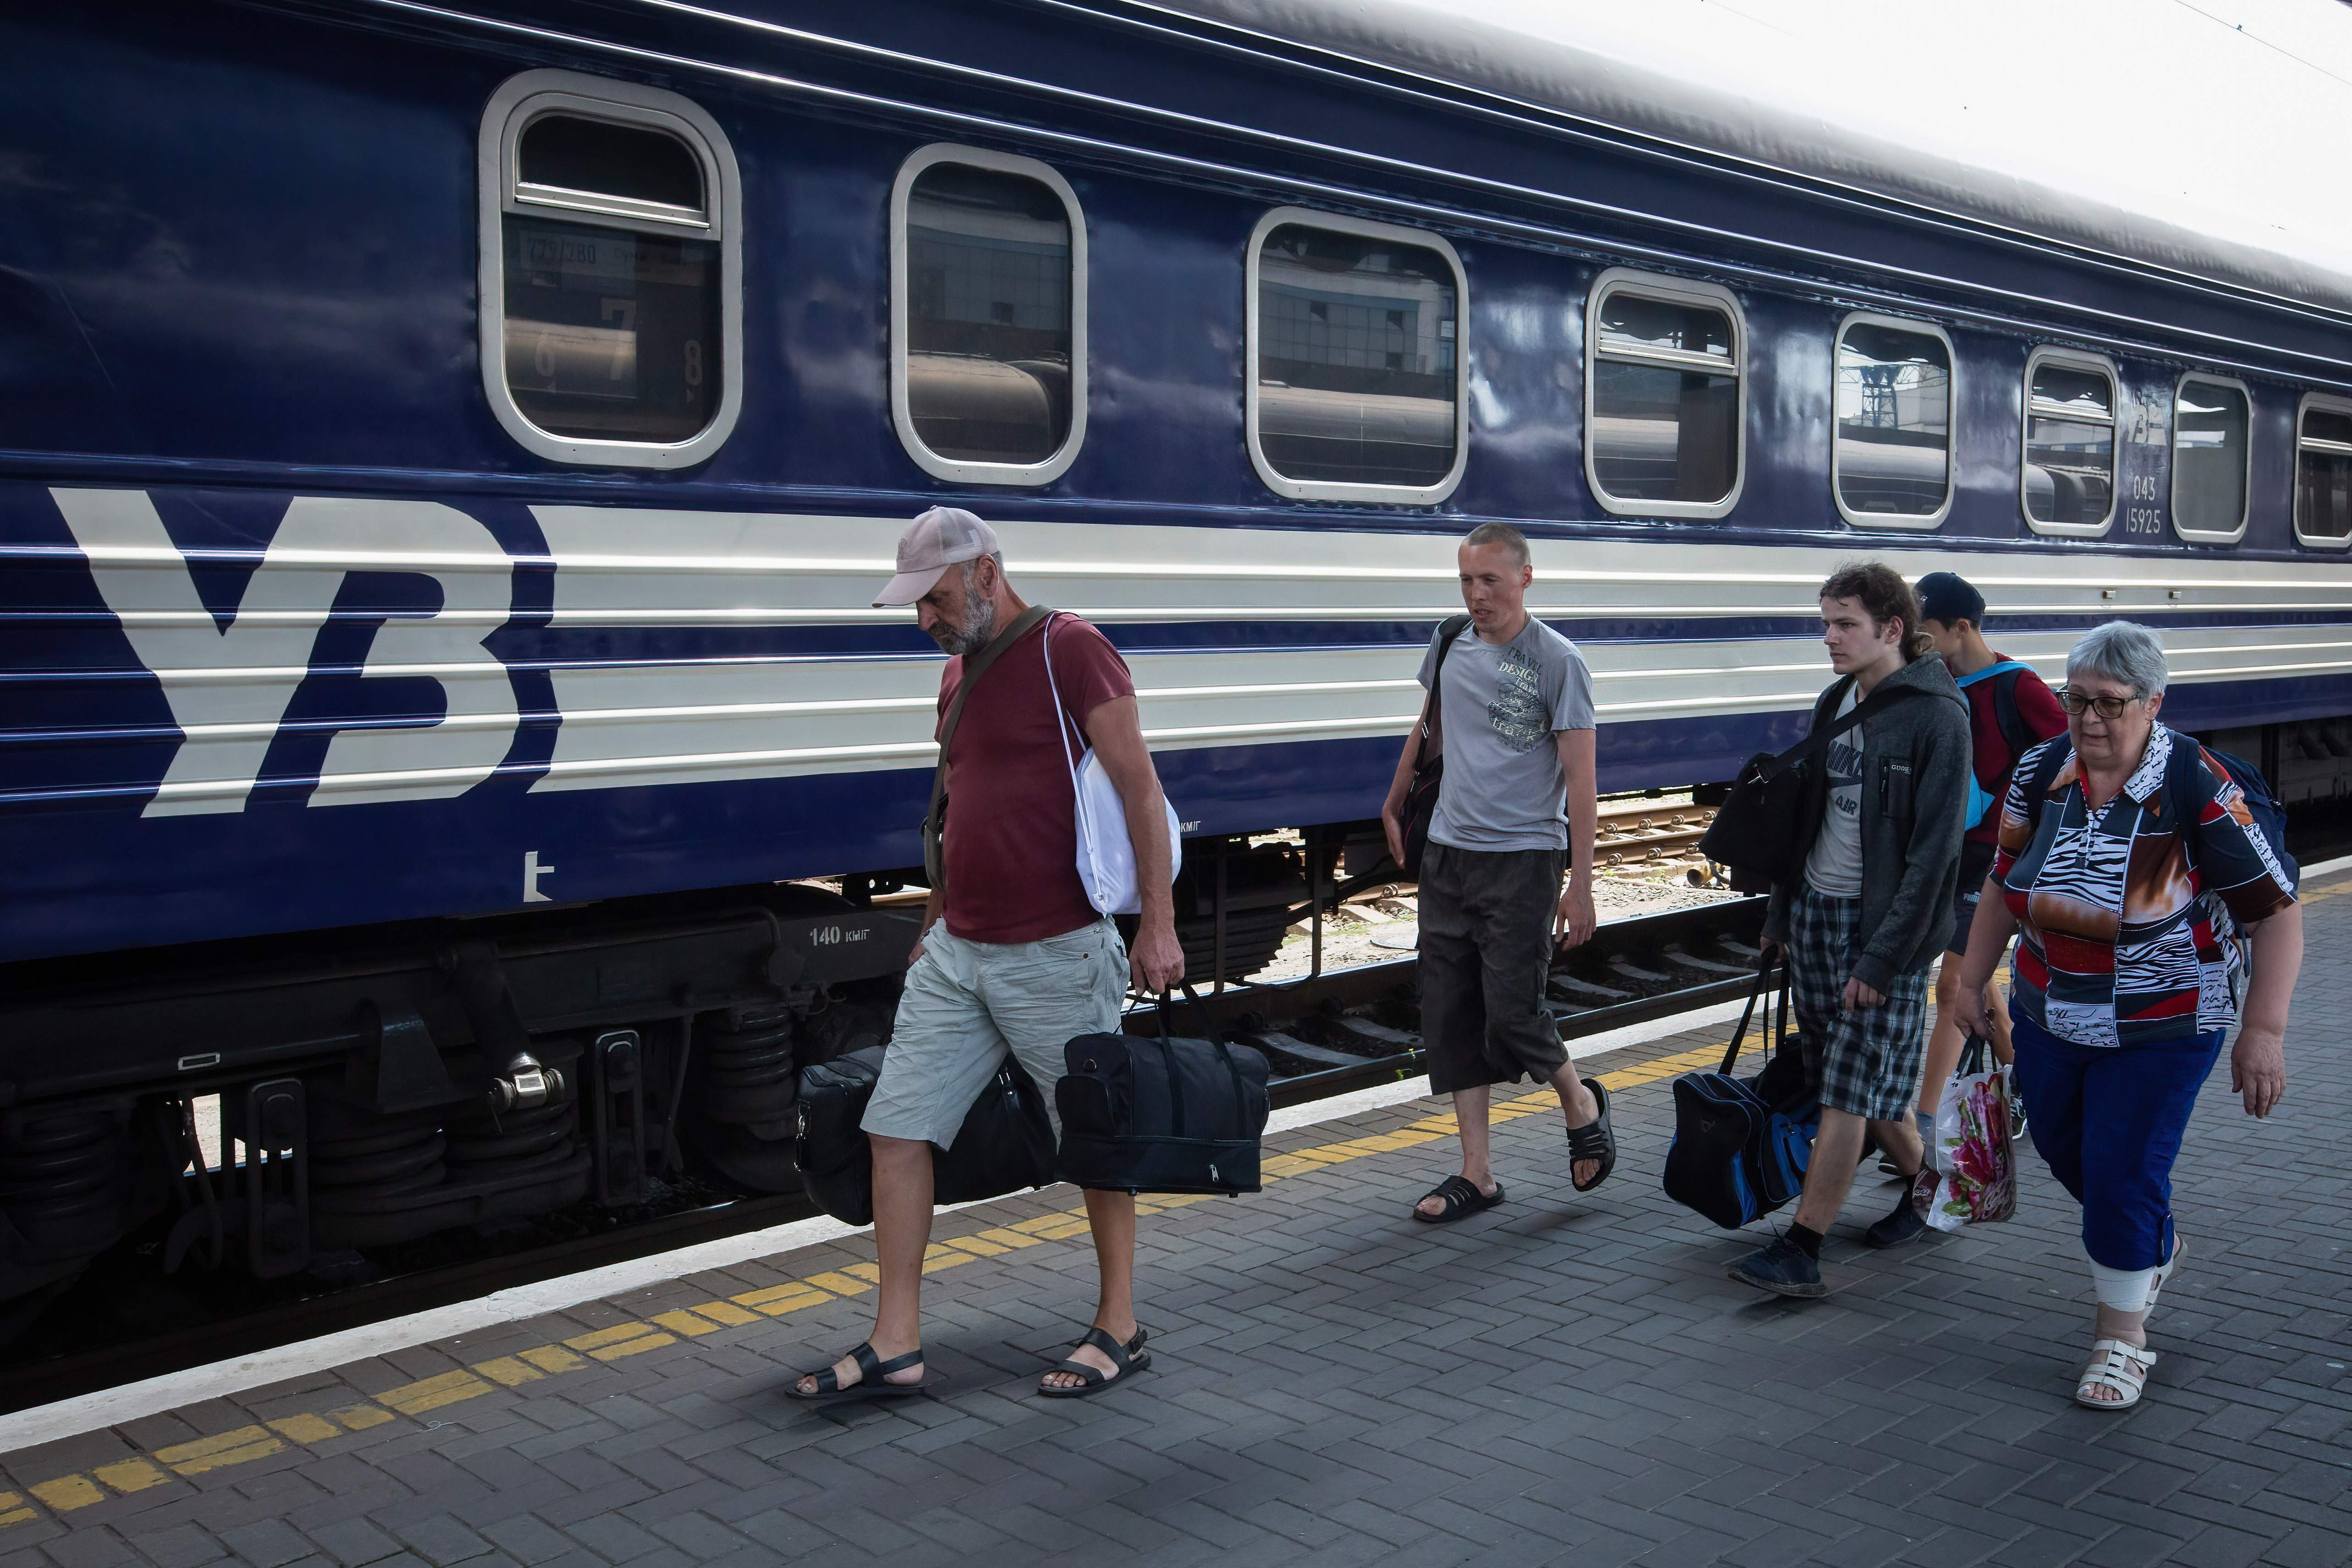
x=1566 y=1378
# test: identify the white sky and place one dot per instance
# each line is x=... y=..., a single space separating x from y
x=2227 y=117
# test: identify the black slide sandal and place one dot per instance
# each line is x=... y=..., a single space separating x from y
x=1593 y=1141
x=1461 y=1198
x=1129 y=1358
x=870 y=1384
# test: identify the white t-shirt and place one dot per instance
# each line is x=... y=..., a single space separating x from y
x=1834 y=869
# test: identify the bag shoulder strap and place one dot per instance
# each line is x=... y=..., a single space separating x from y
x=974 y=666
x=1062 y=727
x=1433 y=712
x=2180 y=781
x=1814 y=745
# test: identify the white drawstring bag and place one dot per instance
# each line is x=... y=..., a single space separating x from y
x=1105 y=857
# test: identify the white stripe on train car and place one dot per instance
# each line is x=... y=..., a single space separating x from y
x=679 y=720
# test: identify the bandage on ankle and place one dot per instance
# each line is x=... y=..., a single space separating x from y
x=2122 y=1290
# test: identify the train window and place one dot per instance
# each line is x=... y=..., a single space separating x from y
x=2068 y=484
x=1891 y=445
x=2322 y=472
x=2210 y=451
x=1664 y=396
x=1355 y=388
x=611 y=272
x=988 y=317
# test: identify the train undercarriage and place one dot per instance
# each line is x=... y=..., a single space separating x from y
x=380 y=1085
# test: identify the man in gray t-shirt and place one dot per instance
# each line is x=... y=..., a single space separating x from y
x=1511 y=713
x=1504 y=786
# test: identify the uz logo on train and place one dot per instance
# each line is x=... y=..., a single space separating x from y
x=229 y=686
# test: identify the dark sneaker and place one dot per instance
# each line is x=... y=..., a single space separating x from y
x=1782 y=1269
x=1906 y=1224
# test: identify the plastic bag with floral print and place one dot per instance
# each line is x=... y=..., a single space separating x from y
x=1973 y=1178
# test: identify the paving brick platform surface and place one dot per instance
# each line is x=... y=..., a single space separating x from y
x=1565 y=1379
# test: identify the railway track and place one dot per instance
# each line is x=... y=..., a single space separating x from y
x=1347 y=1029
x=1641 y=833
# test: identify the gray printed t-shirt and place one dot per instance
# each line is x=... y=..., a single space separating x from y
x=1503 y=787
x=1834 y=869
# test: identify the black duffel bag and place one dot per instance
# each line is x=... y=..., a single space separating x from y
x=1006 y=1144
x=1741 y=1146
x=1759 y=830
x=1168 y=1115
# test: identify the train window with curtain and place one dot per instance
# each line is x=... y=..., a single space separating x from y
x=1355 y=388
x=2211 y=420
x=988 y=316
x=1665 y=395
x=2322 y=472
x=611 y=281
x=2069 y=478
x=1891 y=444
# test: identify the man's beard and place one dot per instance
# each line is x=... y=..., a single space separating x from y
x=978 y=626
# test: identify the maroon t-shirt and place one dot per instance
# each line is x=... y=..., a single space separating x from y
x=2037 y=712
x=1012 y=840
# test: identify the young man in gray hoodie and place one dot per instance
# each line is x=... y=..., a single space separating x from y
x=1887 y=802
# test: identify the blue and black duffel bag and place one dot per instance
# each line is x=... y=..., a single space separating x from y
x=1170 y=1115
x=1740 y=1145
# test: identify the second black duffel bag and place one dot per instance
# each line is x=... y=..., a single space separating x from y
x=1004 y=1144
x=1170 y=1115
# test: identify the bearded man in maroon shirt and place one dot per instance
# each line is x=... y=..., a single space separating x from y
x=1014 y=956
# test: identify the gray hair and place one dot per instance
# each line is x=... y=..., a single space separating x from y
x=970 y=570
x=2122 y=651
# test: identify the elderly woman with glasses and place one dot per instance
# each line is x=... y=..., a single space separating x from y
x=2129 y=863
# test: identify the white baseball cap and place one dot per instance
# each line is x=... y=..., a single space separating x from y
x=942 y=537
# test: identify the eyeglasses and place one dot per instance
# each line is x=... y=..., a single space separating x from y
x=2074 y=702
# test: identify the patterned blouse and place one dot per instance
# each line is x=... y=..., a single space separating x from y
x=2120 y=943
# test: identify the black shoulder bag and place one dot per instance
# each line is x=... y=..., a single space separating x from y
x=934 y=819
x=1759 y=830
x=1428 y=767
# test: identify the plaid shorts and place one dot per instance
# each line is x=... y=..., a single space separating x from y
x=1867 y=1062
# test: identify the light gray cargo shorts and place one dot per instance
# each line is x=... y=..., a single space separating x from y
x=966 y=1003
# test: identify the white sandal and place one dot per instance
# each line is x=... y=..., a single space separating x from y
x=2116 y=1365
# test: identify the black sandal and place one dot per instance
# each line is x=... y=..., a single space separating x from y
x=872 y=1374
x=1129 y=1358
x=1593 y=1141
x=1461 y=1196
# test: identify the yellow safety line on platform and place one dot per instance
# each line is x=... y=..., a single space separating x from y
x=67 y=1493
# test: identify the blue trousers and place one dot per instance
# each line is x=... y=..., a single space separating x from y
x=2109 y=1122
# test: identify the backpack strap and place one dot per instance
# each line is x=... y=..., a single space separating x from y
x=2005 y=714
x=2060 y=747
x=2181 y=785
x=1814 y=745
x=1433 y=712
x=974 y=666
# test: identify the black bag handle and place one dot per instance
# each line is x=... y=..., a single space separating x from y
x=1764 y=968
x=1215 y=1037
x=1973 y=1055
x=1814 y=745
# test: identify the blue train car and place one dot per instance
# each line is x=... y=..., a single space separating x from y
x=447 y=451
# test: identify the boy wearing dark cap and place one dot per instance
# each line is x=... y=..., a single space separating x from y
x=2010 y=711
